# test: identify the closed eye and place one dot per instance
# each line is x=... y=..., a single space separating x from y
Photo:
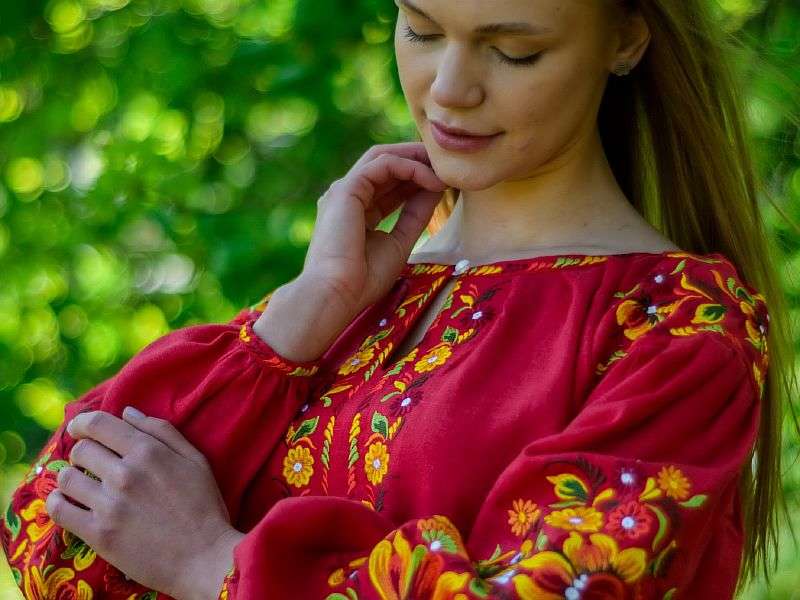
x=526 y=60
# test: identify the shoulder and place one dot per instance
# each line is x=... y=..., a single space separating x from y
x=683 y=295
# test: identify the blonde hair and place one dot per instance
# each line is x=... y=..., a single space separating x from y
x=674 y=134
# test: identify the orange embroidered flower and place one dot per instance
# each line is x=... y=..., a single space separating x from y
x=357 y=361
x=672 y=481
x=298 y=466
x=640 y=315
x=436 y=357
x=580 y=518
x=376 y=462
x=522 y=516
x=440 y=534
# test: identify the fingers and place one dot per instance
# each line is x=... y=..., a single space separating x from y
x=111 y=431
x=96 y=458
x=382 y=172
x=80 y=487
x=416 y=214
x=66 y=514
x=164 y=431
x=411 y=150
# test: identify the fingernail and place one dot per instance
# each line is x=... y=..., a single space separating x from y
x=133 y=412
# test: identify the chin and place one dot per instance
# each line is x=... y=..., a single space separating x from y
x=464 y=175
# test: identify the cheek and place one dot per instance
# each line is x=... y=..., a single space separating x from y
x=549 y=112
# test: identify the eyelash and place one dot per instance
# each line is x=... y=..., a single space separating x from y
x=528 y=60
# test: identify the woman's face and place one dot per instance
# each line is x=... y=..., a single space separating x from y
x=463 y=79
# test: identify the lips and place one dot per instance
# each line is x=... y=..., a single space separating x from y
x=459 y=132
x=459 y=142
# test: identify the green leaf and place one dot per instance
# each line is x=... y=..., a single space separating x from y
x=307 y=427
x=380 y=424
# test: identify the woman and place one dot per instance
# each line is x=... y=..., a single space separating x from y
x=553 y=398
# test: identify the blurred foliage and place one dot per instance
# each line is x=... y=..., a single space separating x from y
x=160 y=162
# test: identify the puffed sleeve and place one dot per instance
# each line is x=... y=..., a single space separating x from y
x=225 y=389
x=635 y=498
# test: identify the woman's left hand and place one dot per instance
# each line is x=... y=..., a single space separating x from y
x=156 y=512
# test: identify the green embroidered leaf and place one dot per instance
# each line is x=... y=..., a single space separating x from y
x=541 y=541
x=662 y=525
x=670 y=594
x=325 y=458
x=338 y=596
x=380 y=424
x=496 y=552
x=307 y=427
x=479 y=587
x=389 y=395
x=567 y=503
x=17 y=576
x=397 y=368
x=660 y=562
x=368 y=373
x=353 y=454
x=694 y=501
x=57 y=465
x=448 y=302
x=417 y=555
x=13 y=523
x=151 y=595
x=326 y=401
x=450 y=335
x=679 y=267
x=709 y=313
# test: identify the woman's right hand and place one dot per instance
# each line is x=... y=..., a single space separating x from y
x=349 y=264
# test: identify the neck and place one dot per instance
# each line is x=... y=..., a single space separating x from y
x=573 y=202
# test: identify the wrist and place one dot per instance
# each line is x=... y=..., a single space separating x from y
x=209 y=568
x=301 y=320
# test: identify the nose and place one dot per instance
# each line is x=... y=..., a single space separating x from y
x=455 y=85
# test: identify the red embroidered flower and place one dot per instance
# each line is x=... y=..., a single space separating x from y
x=629 y=520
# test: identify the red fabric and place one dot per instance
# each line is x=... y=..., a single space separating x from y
x=568 y=427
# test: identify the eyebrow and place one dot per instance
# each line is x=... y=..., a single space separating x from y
x=492 y=28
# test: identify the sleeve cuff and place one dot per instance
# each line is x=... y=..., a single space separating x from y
x=265 y=354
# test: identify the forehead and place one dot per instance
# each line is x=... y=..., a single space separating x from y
x=473 y=14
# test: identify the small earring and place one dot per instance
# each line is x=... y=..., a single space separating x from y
x=622 y=68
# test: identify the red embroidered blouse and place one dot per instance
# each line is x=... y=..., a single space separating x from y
x=568 y=427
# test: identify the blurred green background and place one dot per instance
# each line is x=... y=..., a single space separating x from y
x=160 y=162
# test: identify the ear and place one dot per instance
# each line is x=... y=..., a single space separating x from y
x=633 y=34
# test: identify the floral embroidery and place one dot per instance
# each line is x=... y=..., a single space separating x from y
x=522 y=516
x=725 y=307
x=624 y=544
x=298 y=466
x=377 y=462
x=48 y=561
x=399 y=388
x=271 y=359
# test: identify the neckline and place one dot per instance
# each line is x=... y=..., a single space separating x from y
x=544 y=261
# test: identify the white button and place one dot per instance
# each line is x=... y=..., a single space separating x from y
x=461 y=266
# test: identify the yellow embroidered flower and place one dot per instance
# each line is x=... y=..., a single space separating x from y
x=376 y=462
x=580 y=518
x=522 y=516
x=357 y=361
x=41 y=523
x=297 y=466
x=555 y=573
x=674 y=483
x=436 y=357
x=53 y=583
